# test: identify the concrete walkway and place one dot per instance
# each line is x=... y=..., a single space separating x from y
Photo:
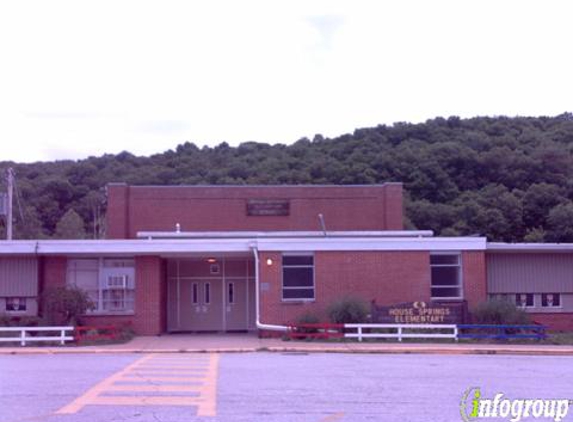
x=229 y=343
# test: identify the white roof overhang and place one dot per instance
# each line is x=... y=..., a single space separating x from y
x=494 y=247
x=165 y=247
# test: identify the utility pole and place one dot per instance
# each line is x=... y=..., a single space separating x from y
x=10 y=177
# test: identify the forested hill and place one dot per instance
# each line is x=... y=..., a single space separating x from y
x=507 y=178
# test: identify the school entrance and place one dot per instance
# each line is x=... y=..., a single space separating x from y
x=211 y=294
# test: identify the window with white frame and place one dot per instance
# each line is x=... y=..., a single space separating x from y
x=110 y=283
x=298 y=277
x=446 y=272
x=550 y=300
x=524 y=300
x=15 y=304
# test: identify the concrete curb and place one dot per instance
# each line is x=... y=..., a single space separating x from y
x=348 y=349
x=429 y=351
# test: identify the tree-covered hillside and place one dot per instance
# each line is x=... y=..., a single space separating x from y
x=507 y=178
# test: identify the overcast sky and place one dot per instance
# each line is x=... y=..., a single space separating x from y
x=81 y=78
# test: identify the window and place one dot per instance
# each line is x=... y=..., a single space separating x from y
x=298 y=277
x=207 y=293
x=231 y=293
x=550 y=300
x=110 y=283
x=15 y=304
x=195 y=293
x=116 y=294
x=524 y=300
x=446 y=276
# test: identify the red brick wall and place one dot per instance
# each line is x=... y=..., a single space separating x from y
x=53 y=272
x=211 y=208
x=149 y=296
x=474 y=277
x=117 y=211
x=393 y=206
x=555 y=321
x=387 y=277
x=150 y=300
x=103 y=320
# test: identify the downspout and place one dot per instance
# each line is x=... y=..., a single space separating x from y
x=260 y=325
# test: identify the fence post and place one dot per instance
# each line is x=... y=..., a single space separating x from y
x=360 y=333
x=456 y=333
x=23 y=337
x=400 y=333
x=62 y=335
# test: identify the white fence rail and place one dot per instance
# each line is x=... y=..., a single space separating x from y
x=402 y=331
x=22 y=334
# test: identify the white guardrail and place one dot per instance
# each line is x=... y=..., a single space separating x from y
x=401 y=331
x=23 y=338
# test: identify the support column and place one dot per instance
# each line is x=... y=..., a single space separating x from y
x=149 y=296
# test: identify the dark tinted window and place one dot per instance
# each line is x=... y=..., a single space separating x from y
x=298 y=277
x=298 y=294
x=446 y=292
x=445 y=276
x=444 y=259
x=298 y=260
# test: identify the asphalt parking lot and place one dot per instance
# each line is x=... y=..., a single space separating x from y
x=267 y=386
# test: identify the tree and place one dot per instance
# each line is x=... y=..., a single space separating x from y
x=499 y=176
x=64 y=305
x=560 y=222
x=539 y=199
x=70 y=226
x=535 y=235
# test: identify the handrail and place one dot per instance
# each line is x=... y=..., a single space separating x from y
x=537 y=332
x=23 y=338
x=402 y=331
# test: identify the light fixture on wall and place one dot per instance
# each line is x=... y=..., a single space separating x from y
x=211 y=260
x=269 y=262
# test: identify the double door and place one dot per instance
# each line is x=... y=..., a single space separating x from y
x=211 y=304
x=206 y=305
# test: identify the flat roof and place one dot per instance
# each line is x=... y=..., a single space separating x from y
x=281 y=234
x=529 y=247
x=166 y=247
x=256 y=186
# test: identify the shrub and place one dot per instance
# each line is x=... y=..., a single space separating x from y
x=308 y=318
x=64 y=305
x=21 y=321
x=348 y=310
x=498 y=311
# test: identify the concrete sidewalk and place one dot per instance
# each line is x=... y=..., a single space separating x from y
x=235 y=343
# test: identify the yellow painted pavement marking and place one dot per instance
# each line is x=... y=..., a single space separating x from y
x=153 y=401
x=166 y=369
x=197 y=376
x=171 y=369
x=147 y=378
x=333 y=418
x=155 y=388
